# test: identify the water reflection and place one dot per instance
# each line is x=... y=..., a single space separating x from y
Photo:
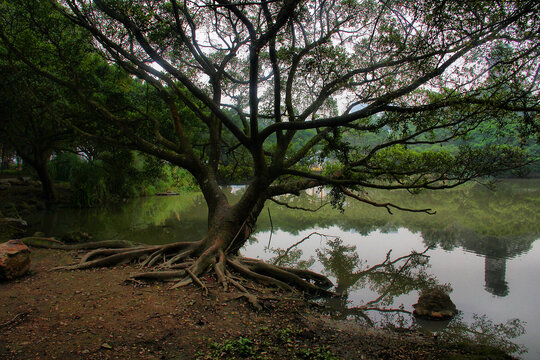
x=495 y=249
x=484 y=331
x=389 y=279
x=495 y=273
x=152 y=220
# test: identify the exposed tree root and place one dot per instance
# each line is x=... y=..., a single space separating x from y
x=252 y=300
x=220 y=271
x=181 y=265
x=198 y=281
x=257 y=276
x=102 y=252
x=171 y=263
x=109 y=260
x=187 y=262
x=287 y=276
x=51 y=243
x=321 y=281
x=184 y=282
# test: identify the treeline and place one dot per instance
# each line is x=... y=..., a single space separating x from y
x=43 y=131
x=492 y=132
x=46 y=125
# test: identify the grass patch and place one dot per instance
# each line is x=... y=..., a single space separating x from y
x=265 y=344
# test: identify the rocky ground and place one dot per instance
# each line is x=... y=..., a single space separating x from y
x=95 y=314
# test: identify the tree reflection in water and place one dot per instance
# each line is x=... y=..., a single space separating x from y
x=496 y=250
x=483 y=331
x=389 y=279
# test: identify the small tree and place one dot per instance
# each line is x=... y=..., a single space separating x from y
x=393 y=75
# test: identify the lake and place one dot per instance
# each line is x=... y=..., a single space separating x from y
x=481 y=244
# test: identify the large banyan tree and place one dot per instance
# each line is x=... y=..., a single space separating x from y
x=348 y=94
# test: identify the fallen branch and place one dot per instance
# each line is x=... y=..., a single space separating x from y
x=383 y=310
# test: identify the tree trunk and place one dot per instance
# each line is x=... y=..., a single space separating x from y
x=4 y=158
x=38 y=158
x=47 y=185
x=230 y=228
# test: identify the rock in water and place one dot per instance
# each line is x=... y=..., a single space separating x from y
x=14 y=259
x=435 y=304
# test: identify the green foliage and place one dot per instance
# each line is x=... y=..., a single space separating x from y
x=289 y=342
x=317 y=353
x=62 y=164
x=88 y=182
x=159 y=176
x=287 y=335
x=39 y=115
x=234 y=348
x=414 y=105
x=117 y=174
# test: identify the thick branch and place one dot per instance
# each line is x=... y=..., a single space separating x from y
x=387 y=205
x=281 y=203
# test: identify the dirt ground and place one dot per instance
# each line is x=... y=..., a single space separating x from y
x=95 y=314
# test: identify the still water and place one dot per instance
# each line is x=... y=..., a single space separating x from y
x=481 y=244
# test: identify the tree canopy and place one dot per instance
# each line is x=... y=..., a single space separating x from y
x=299 y=94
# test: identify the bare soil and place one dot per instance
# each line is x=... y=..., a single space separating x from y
x=95 y=314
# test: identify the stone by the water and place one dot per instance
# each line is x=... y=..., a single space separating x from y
x=14 y=259
x=435 y=304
